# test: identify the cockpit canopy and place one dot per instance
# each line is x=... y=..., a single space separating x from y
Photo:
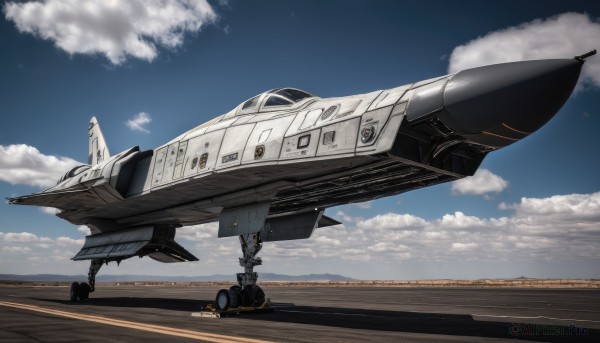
x=274 y=99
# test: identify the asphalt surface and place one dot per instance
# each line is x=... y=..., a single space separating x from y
x=302 y=314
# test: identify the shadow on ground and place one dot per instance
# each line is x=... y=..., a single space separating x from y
x=355 y=318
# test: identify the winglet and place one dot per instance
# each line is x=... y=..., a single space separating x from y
x=98 y=150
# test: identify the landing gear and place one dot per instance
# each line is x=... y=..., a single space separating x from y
x=223 y=300
x=82 y=290
x=95 y=266
x=74 y=292
x=235 y=295
x=247 y=293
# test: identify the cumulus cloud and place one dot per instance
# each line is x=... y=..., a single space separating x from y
x=139 y=121
x=391 y=221
x=562 y=36
x=26 y=165
x=460 y=220
x=84 y=229
x=198 y=232
x=49 y=210
x=583 y=206
x=68 y=241
x=115 y=29
x=20 y=237
x=560 y=227
x=483 y=182
x=557 y=227
x=16 y=250
x=28 y=237
x=461 y=247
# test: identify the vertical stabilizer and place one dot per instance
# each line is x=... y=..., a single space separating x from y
x=98 y=150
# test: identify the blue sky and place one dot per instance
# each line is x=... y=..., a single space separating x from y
x=534 y=211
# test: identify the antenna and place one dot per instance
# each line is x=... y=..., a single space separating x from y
x=586 y=55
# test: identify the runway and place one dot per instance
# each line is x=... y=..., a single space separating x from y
x=302 y=314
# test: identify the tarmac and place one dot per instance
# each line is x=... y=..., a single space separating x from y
x=311 y=313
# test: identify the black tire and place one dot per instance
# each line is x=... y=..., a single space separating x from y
x=223 y=300
x=235 y=296
x=247 y=296
x=74 y=292
x=259 y=296
x=84 y=291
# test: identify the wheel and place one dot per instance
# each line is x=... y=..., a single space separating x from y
x=84 y=291
x=247 y=296
x=259 y=296
x=235 y=296
x=74 y=293
x=223 y=300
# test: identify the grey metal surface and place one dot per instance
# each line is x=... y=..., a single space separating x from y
x=156 y=242
x=294 y=226
x=426 y=100
x=243 y=220
x=524 y=95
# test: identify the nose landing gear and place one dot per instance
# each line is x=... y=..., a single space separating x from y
x=247 y=295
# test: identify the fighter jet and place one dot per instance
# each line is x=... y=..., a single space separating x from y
x=268 y=169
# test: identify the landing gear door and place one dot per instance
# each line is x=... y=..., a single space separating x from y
x=243 y=220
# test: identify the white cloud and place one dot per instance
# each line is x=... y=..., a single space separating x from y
x=561 y=206
x=462 y=247
x=557 y=228
x=138 y=122
x=26 y=165
x=483 y=182
x=30 y=238
x=115 y=29
x=324 y=240
x=346 y=218
x=61 y=255
x=198 y=233
x=20 y=237
x=391 y=221
x=562 y=36
x=387 y=247
x=49 y=210
x=84 y=229
x=460 y=220
x=68 y=241
x=16 y=250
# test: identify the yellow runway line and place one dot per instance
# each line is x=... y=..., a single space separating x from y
x=199 y=335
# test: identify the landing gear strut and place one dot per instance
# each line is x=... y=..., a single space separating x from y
x=247 y=293
x=82 y=290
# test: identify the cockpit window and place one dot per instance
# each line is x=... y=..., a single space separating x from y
x=273 y=98
x=286 y=96
x=276 y=100
x=294 y=94
x=250 y=103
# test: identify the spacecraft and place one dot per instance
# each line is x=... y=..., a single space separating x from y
x=268 y=169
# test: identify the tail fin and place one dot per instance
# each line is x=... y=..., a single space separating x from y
x=98 y=150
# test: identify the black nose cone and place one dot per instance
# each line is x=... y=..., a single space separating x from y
x=508 y=100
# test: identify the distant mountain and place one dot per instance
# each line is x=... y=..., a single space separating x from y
x=130 y=278
x=524 y=278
